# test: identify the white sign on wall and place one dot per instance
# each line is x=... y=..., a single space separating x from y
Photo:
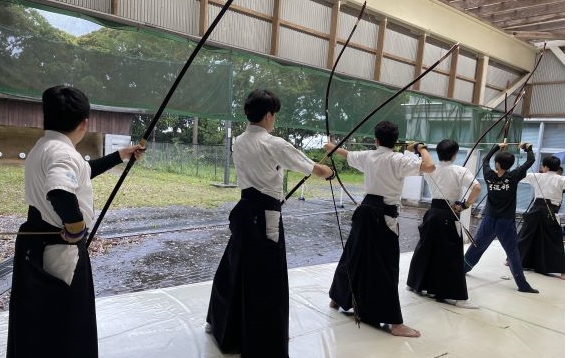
x=114 y=142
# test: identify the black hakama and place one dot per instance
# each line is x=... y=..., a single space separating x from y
x=248 y=309
x=47 y=317
x=437 y=262
x=541 y=242
x=370 y=261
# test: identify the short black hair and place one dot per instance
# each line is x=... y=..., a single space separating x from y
x=386 y=133
x=64 y=108
x=258 y=103
x=552 y=163
x=446 y=149
x=505 y=160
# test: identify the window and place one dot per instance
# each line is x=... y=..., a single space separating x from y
x=553 y=136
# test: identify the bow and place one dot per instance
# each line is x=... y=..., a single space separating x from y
x=507 y=116
x=507 y=122
x=327 y=105
x=526 y=211
x=508 y=113
x=400 y=91
x=506 y=128
x=327 y=112
x=149 y=129
x=482 y=136
x=375 y=110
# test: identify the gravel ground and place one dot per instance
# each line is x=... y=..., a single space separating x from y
x=181 y=245
x=8 y=224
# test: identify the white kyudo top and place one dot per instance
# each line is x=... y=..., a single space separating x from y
x=54 y=163
x=260 y=158
x=548 y=185
x=448 y=181
x=384 y=171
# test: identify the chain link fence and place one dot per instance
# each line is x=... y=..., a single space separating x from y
x=207 y=162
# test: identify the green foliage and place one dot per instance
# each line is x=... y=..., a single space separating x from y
x=340 y=162
x=179 y=129
x=211 y=132
x=132 y=45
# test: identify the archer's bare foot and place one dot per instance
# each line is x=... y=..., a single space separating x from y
x=334 y=305
x=404 y=331
x=561 y=276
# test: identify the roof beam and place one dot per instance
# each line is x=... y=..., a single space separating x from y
x=525 y=13
x=538 y=35
x=558 y=53
x=531 y=21
x=445 y=23
x=493 y=103
x=471 y=4
x=527 y=20
x=508 y=6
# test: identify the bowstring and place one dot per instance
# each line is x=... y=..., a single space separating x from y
x=357 y=317
x=457 y=216
x=550 y=213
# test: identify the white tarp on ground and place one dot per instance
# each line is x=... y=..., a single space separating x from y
x=168 y=323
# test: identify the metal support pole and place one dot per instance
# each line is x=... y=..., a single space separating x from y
x=341 y=205
x=302 y=192
x=227 y=149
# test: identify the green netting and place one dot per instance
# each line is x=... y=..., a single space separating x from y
x=434 y=119
x=106 y=66
x=127 y=67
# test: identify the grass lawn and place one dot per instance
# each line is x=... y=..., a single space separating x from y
x=143 y=188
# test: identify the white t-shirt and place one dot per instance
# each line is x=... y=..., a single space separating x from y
x=448 y=180
x=384 y=171
x=548 y=185
x=260 y=159
x=54 y=163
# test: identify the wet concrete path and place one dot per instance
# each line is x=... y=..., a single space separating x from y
x=184 y=245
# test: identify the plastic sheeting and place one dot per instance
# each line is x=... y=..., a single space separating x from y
x=169 y=323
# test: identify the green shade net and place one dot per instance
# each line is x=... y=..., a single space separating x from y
x=133 y=69
x=106 y=66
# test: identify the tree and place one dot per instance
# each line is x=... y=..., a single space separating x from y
x=25 y=53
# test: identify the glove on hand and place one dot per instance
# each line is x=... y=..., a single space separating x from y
x=331 y=177
x=415 y=147
x=74 y=232
x=460 y=205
